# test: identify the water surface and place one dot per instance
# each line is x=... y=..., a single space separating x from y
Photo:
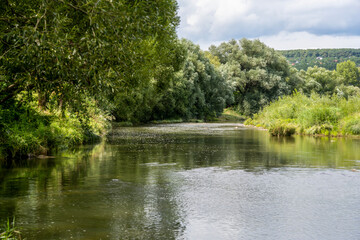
x=189 y=181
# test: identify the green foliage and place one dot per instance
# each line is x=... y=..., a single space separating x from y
x=282 y=128
x=326 y=58
x=311 y=115
x=198 y=90
x=65 y=66
x=29 y=130
x=258 y=73
x=136 y=103
x=167 y=121
x=351 y=124
x=348 y=73
x=319 y=114
x=319 y=80
x=11 y=232
x=67 y=50
x=230 y=115
x=326 y=82
x=214 y=60
x=78 y=61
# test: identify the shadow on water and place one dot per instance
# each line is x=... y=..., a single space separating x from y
x=136 y=185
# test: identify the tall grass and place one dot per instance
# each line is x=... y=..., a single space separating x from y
x=328 y=115
x=10 y=232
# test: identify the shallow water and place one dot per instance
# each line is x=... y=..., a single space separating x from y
x=189 y=181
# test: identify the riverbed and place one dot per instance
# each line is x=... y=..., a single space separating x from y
x=189 y=181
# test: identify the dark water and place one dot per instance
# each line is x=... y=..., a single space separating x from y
x=189 y=181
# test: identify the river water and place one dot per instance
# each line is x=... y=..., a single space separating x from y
x=189 y=181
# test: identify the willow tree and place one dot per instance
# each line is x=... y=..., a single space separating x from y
x=65 y=50
x=348 y=73
x=319 y=80
x=258 y=73
x=197 y=91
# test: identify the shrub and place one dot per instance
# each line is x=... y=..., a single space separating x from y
x=351 y=124
x=28 y=130
x=282 y=128
x=318 y=115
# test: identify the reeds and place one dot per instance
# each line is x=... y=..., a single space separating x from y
x=11 y=232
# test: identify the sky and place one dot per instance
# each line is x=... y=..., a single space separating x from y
x=280 y=24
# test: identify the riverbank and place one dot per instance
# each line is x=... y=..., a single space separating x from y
x=315 y=115
x=228 y=116
x=31 y=131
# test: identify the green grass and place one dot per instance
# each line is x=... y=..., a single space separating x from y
x=167 y=121
x=122 y=124
x=230 y=115
x=282 y=128
x=10 y=232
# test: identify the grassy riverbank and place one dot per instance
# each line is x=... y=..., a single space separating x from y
x=312 y=115
x=230 y=115
x=28 y=130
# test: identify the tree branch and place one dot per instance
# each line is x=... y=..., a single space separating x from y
x=70 y=5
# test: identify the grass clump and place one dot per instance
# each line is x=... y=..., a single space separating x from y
x=10 y=232
x=351 y=124
x=282 y=128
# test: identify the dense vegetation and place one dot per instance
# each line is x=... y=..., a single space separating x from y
x=326 y=58
x=198 y=90
x=327 y=103
x=298 y=113
x=68 y=68
x=257 y=73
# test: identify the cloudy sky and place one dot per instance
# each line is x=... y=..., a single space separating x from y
x=280 y=24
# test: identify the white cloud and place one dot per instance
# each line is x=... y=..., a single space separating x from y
x=210 y=21
x=304 y=40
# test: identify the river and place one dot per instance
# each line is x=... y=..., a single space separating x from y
x=189 y=181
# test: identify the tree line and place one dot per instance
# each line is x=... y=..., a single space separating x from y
x=326 y=58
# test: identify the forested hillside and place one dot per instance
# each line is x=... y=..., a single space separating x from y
x=326 y=58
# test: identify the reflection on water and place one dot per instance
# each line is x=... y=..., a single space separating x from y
x=189 y=181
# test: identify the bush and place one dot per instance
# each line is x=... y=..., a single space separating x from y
x=325 y=129
x=351 y=124
x=319 y=115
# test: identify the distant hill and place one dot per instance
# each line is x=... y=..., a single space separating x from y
x=326 y=58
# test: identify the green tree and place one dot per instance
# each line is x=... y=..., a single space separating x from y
x=67 y=49
x=319 y=80
x=258 y=73
x=198 y=91
x=348 y=72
